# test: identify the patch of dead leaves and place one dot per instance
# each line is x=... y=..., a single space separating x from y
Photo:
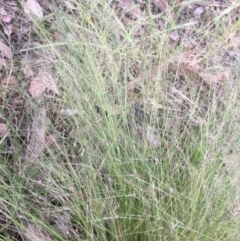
x=174 y=36
x=3 y=129
x=5 y=16
x=28 y=72
x=51 y=139
x=41 y=83
x=218 y=77
x=2 y=63
x=152 y=136
x=70 y=5
x=68 y=112
x=162 y=4
x=5 y=51
x=32 y=7
x=10 y=80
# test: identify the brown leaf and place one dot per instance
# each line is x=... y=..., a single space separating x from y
x=68 y=112
x=51 y=139
x=126 y=2
x=44 y=3
x=37 y=88
x=69 y=5
x=6 y=19
x=3 y=129
x=33 y=7
x=233 y=40
x=2 y=62
x=36 y=143
x=42 y=82
x=174 y=36
x=28 y=72
x=2 y=11
x=50 y=83
x=162 y=4
x=8 y=29
x=11 y=3
x=152 y=136
x=5 y=50
x=10 y=80
x=198 y=12
x=25 y=28
x=137 y=12
x=215 y=78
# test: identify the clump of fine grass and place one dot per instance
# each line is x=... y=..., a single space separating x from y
x=133 y=163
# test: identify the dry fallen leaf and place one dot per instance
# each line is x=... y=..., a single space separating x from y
x=10 y=80
x=174 y=36
x=8 y=29
x=5 y=50
x=3 y=129
x=11 y=3
x=2 y=11
x=215 y=78
x=125 y=3
x=33 y=7
x=47 y=79
x=51 y=139
x=25 y=28
x=2 y=62
x=68 y=112
x=28 y=72
x=234 y=41
x=162 y=4
x=42 y=82
x=137 y=12
x=36 y=88
x=6 y=19
x=36 y=144
x=69 y=5
x=152 y=137
x=198 y=12
x=44 y=3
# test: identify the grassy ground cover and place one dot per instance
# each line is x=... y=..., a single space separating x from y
x=137 y=135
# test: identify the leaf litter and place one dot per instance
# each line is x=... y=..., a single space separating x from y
x=33 y=7
x=5 y=50
x=3 y=129
x=41 y=83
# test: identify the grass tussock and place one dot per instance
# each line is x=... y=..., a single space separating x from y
x=145 y=129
